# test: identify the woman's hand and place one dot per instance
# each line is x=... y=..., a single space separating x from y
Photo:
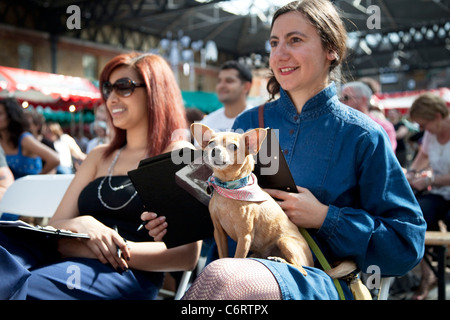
x=103 y=244
x=302 y=208
x=156 y=226
x=420 y=183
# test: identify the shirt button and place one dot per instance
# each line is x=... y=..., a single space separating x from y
x=295 y=118
x=291 y=132
x=285 y=151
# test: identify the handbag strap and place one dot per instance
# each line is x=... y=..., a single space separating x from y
x=322 y=260
x=311 y=243
x=261 y=116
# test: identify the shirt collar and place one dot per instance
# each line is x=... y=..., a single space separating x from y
x=314 y=107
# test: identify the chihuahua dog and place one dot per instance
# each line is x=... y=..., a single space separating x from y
x=240 y=208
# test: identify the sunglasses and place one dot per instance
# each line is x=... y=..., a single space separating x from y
x=347 y=97
x=123 y=87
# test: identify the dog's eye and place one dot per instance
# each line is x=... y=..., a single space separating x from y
x=232 y=147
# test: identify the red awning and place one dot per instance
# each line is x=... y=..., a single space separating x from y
x=48 y=89
x=404 y=100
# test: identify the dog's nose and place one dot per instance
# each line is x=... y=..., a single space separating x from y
x=213 y=152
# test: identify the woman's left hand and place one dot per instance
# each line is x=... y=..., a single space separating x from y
x=302 y=208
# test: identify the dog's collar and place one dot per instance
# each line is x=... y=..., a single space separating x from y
x=245 y=189
x=235 y=184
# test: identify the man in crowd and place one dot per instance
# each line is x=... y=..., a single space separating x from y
x=233 y=87
x=357 y=95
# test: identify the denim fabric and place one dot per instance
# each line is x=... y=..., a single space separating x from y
x=345 y=159
x=317 y=285
x=30 y=268
x=14 y=278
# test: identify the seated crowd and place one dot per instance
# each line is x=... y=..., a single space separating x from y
x=353 y=196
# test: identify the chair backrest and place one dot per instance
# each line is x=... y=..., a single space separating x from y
x=35 y=195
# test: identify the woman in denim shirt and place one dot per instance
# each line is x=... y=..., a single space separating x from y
x=353 y=196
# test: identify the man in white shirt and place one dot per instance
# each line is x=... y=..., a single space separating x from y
x=233 y=87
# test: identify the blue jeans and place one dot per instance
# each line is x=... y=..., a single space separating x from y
x=434 y=208
x=32 y=269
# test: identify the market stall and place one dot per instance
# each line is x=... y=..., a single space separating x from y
x=403 y=100
x=56 y=91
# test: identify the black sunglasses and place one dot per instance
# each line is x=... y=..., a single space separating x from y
x=124 y=87
x=347 y=97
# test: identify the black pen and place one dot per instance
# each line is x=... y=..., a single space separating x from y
x=142 y=225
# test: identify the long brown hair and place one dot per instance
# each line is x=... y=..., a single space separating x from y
x=17 y=121
x=325 y=18
x=164 y=101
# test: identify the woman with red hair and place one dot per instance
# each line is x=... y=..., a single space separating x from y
x=145 y=106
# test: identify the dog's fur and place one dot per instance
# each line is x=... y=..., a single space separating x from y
x=260 y=227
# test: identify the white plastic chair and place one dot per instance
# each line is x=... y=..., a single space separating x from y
x=35 y=195
x=183 y=286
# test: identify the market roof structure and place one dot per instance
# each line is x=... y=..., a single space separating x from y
x=385 y=35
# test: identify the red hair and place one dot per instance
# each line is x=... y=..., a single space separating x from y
x=166 y=111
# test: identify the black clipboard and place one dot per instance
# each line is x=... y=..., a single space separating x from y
x=271 y=167
x=155 y=182
x=20 y=226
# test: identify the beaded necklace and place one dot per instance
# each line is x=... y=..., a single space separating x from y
x=108 y=176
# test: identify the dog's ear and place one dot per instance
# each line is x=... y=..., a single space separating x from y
x=202 y=134
x=254 y=139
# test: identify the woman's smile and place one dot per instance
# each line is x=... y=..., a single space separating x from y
x=287 y=70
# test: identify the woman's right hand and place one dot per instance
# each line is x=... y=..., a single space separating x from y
x=156 y=226
x=102 y=244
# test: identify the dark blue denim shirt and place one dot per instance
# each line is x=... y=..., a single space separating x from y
x=344 y=158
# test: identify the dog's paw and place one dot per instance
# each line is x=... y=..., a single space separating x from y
x=277 y=259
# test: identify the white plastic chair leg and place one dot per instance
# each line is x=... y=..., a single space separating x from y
x=183 y=286
x=383 y=294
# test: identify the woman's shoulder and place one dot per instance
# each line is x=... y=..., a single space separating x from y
x=356 y=120
x=94 y=162
x=98 y=151
x=97 y=154
x=24 y=136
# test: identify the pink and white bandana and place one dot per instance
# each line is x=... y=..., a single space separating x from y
x=249 y=192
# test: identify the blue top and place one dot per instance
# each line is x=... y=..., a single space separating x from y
x=21 y=165
x=345 y=159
